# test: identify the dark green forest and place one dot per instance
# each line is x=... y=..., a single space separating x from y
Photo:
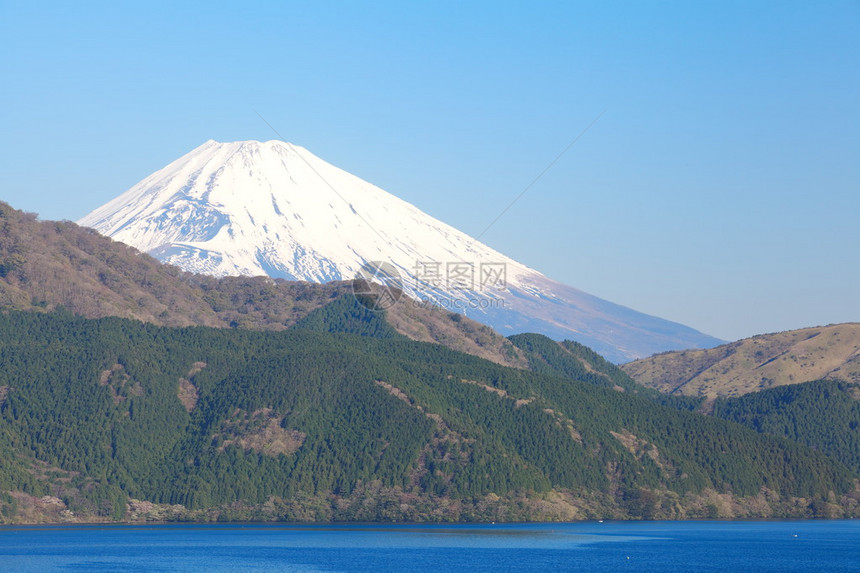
x=97 y=412
x=573 y=360
x=823 y=414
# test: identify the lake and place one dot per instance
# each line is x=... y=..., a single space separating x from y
x=611 y=546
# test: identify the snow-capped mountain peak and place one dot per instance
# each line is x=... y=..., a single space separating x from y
x=274 y=208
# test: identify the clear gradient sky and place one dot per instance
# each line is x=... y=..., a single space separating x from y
x=720 y=189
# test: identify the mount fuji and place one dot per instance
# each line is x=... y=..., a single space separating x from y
x=273 y=208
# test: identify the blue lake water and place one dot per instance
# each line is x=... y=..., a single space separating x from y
x=611 y=546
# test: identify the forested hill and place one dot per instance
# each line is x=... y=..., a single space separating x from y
x=535 y=352
x=573 y=360
x=47 y=264
x=823 y=414
x=117 y=419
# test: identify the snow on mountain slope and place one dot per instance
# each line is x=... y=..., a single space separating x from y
x=276 y=209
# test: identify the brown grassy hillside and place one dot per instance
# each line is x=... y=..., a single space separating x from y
x=46 y=264
x=755 y=363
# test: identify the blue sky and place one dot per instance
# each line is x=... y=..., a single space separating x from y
x=720 y=188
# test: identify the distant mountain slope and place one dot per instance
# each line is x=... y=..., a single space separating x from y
x=115 y=419
x=756 y=363
x=273 y=208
